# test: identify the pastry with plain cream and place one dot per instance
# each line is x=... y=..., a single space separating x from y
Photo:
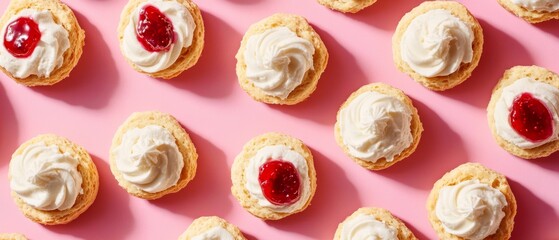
x=378 y=126
x=274 y=176
x=280 y=60
x=152 y=155
x=347 y=6
x=52 y=179
x=472 y=202
x=42 y=41
x=212 y=228
x=438 y=44
x=12 y=236
x=533 y=11
x=373 y=223
x=161 y=38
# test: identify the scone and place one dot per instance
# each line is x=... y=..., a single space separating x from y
x=212 y=227
x=161 y=38
x=42 y=41
x=472 y=202
x=373 y=223
x=280 y=60
x=52 y=179
x=533 y=11
x=152 y=155
x=438 y=44
x=345 y=6
x=12 y=236
x=378 y=126
x=274 y=177
x=523 y=112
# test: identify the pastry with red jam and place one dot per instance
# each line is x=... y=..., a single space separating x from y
x=274 y=176
x=41 y=42
x=524 y=112
x=161 y=38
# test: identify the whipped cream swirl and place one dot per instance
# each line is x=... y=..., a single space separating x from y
x=538 y=5
x=277 y=61
x=436 y=43
x=215 y=233
x=470 y=209
x=149 y=158
x=547 y=94
x=45 y=178
x=183 y=26
x=375 y=125
x=47 y=56
x=366 y=227
x=284 y=153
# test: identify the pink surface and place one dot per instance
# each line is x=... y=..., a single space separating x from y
x=103 y=90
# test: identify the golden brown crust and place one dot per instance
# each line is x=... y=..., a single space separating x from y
x=347 y=6
x=242 y=160
x=86 y=168
x=188 y=57
x=301 y=27
x=416 y=125
x=203 y=224
x=381 y=215
x=465 y=71
x=509 y=77
x=185 y=145
x=471 y=171
x=528 y=15
x=12 y=236
x=62 y=15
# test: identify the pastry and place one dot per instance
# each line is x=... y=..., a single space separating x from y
x=373 y=223
x=472 y=202
x=533 y=11
x=345 y=6
x=208 y=228
x=523 y=112
x=274 y=177
x=378 y=126
x=152 y=155
x=42 y=42
x=438 y=44
x=161 y=38
x=280 y=60
x=52 y=179
x=12 y=236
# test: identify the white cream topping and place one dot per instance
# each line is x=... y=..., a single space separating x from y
x=538 y=5
x=183 y=26
x=375 y=125
x=45 y=178
x=547 y=94
x=277 y=61
x=149 y=158
x=470 y=209
x=47 y=56
x=436 y=43
x=366 y=227
x=215 y=233
x=277 y=152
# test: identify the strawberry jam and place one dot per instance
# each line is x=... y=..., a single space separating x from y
x=21 y=37
x=280 y=182
x=154 y=30
x=530 y=118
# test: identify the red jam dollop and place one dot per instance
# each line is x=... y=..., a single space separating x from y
x=21 y=37
x=530 y=118
x=154 y=30
x=280 y=182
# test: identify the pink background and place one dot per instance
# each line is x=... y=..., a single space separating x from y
x=103 y=90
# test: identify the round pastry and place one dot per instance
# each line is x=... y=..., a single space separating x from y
x=152 y=155
x=161 y=38
x=52 y=179
x=274 y=177
x=12 y=236
x=523 y=112
x=345 y=6
x=533 y=11
x=42 y=42
x=472 y=202
x=438 y=44
x=280 y=60
x=209 y=228
x=378 y=126
x=373 y=223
